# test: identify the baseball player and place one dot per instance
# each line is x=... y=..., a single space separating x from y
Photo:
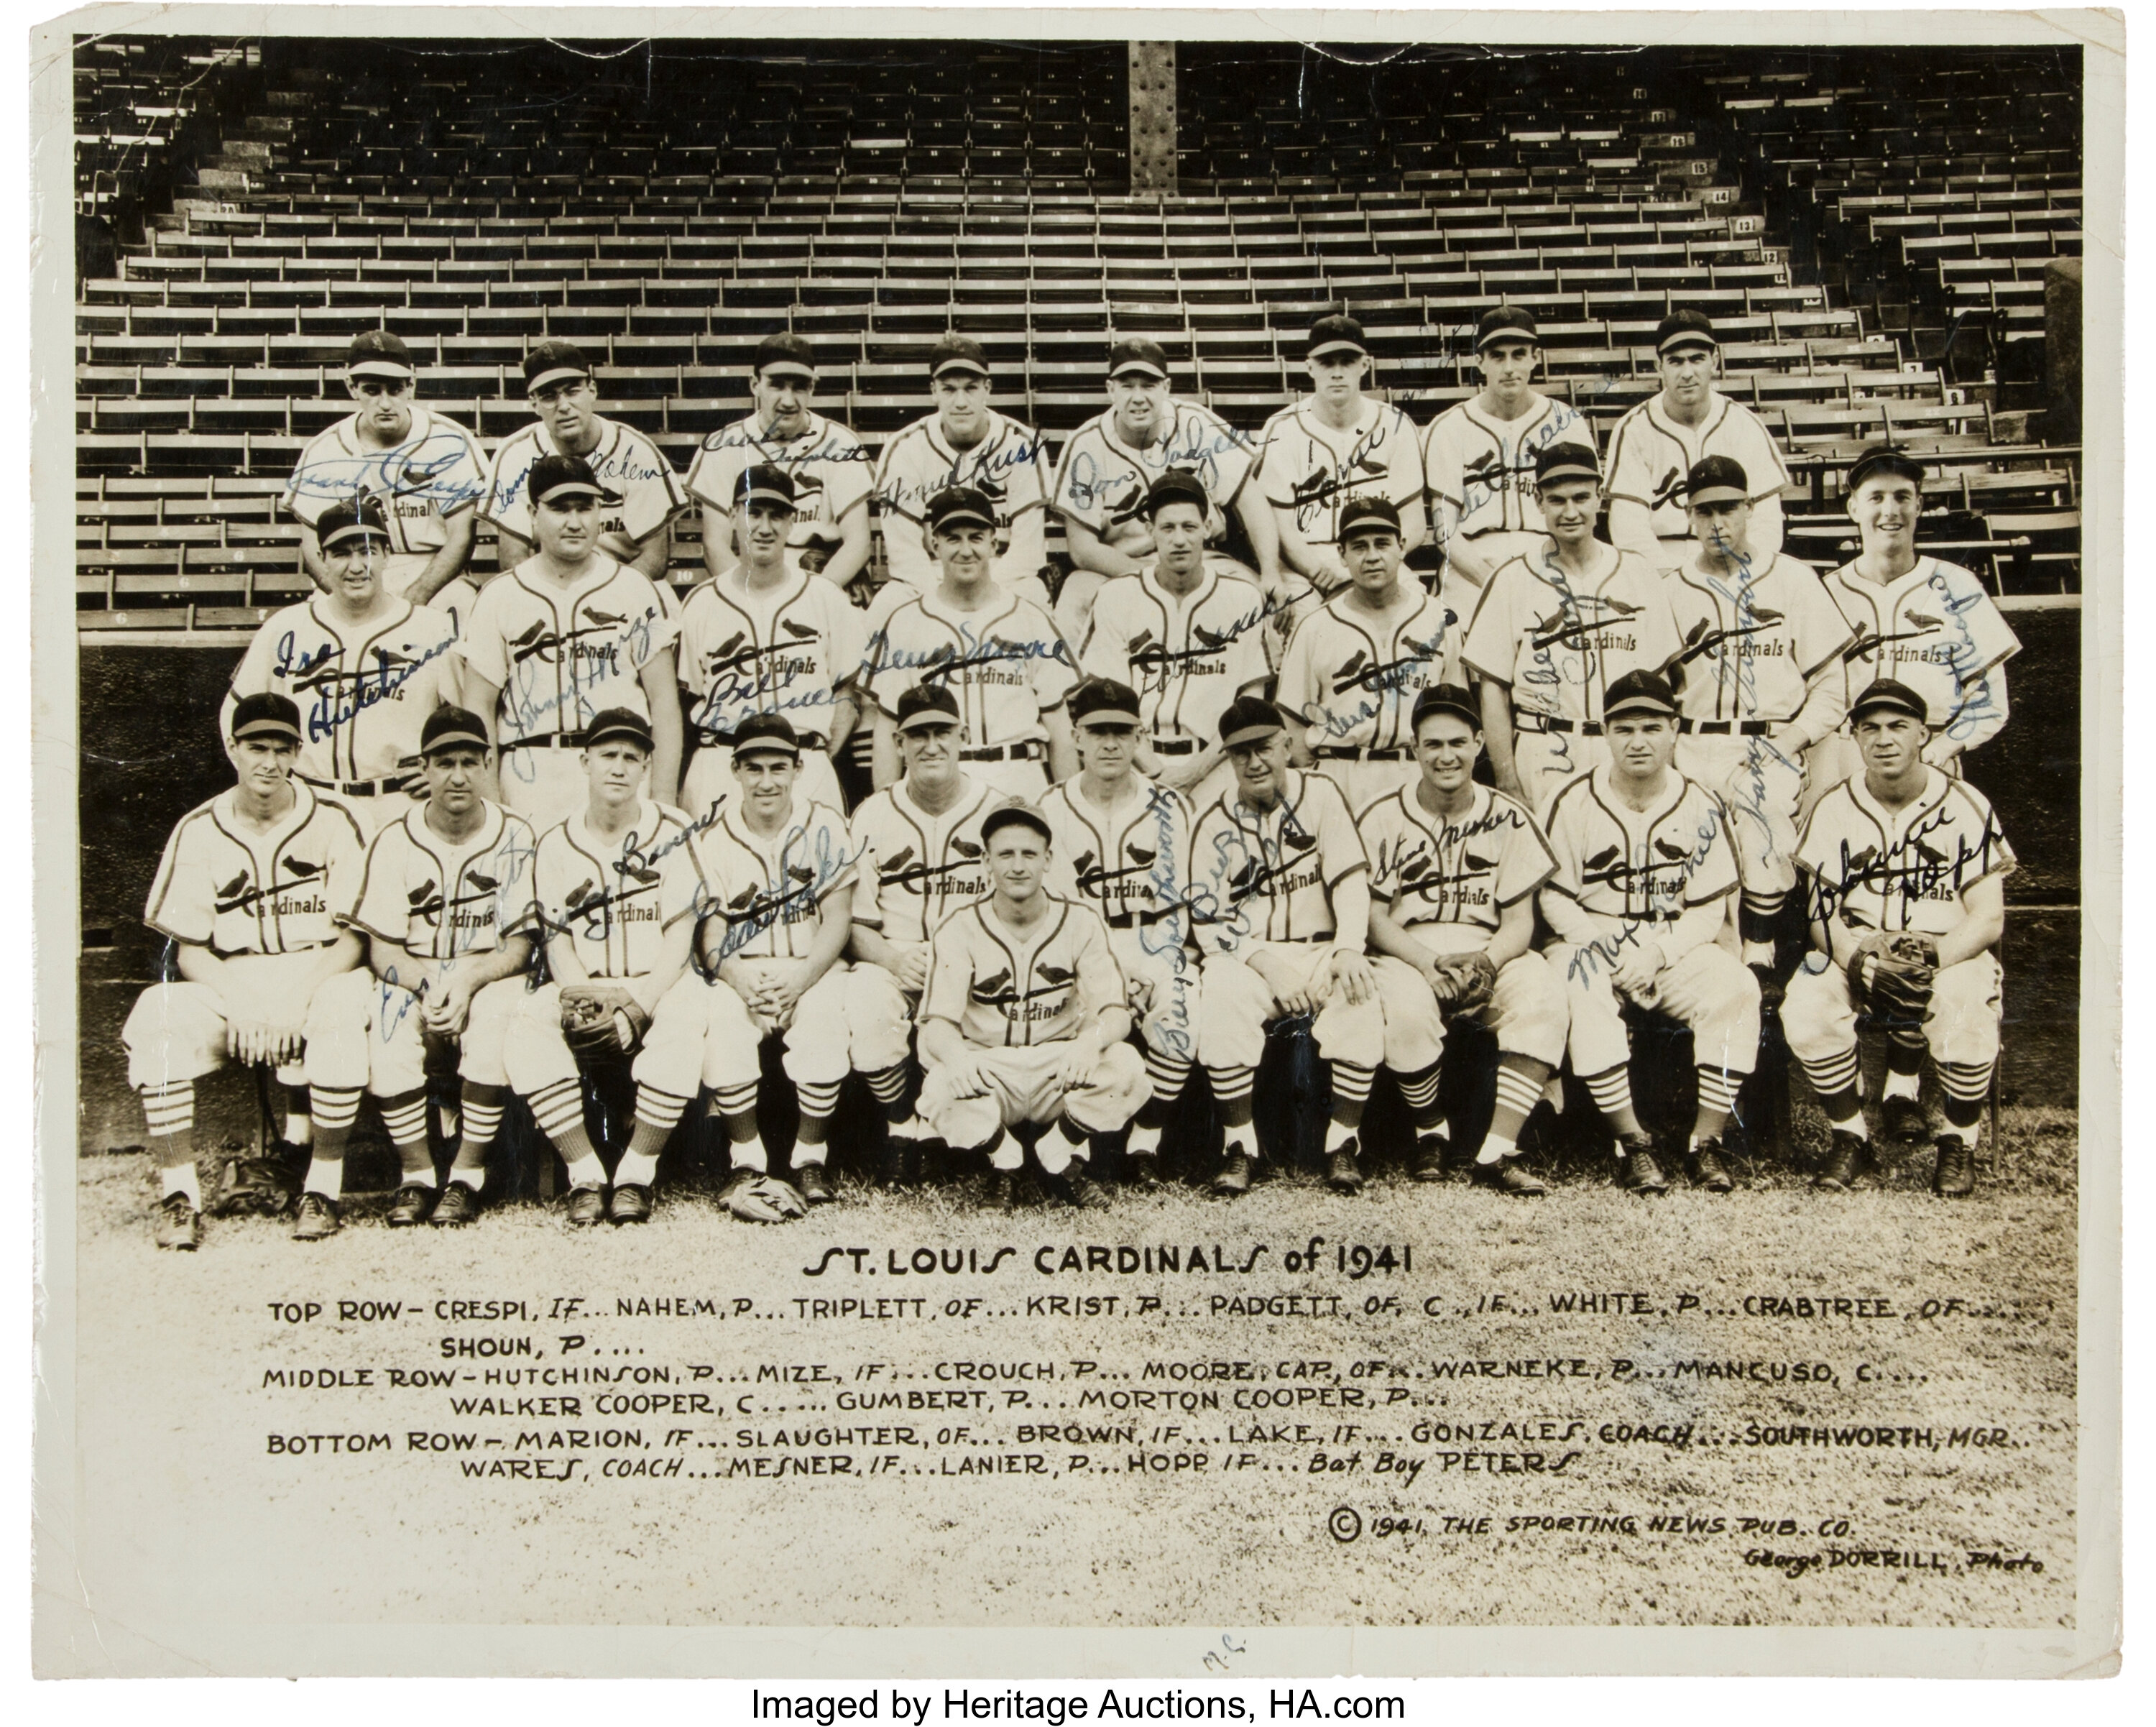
x=1905 y=870
x=421 y=467
x=1454 y=869
x=833 y=473
x=780 y=868
x=640 y=491
x=1553 y=630
x=1111 y=462
x=1919 y=620
x=1333 y=446
x=445 y=905
x=1655 y=444
x=1644 y=868
x=920 y=857
x=1022 y=1019
x=1187 y=638
x=1354 y=666
x=964 y=442
x=1002 y=656
x=1479 y=455
x=618 y=888
x=1280 y=907
x=566 y=634
x=250 y=895
x=1757 y=684
x=364 y=668
x=1121 y=845
x=765 y=638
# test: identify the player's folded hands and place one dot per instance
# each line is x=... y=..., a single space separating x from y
x=1358 y=982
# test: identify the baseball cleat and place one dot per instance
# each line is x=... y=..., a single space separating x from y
x=1430 y=1155
x=900 y=1162
x=413 y=1202
x=629 y=1203
x=1955 y=1177
x=1342 y=1173
x=318 y=1218
x=1902 y=1121
x=1506 y=1176
x=814 y=1185
x=179 y=1224
x=586 y=1207
x=1234 y=1176
x=1844 y=1153
x=1142 y=1170
x=1637 y=1167
x=458 y=1204
x=260 y=1187
x=1079 y=1190
x=1707 y=1170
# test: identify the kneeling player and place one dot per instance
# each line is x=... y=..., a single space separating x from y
x=1454 y=867
x=1905 y=867
x=1023 y=1020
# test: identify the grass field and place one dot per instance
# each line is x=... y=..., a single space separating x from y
x=978 y=1518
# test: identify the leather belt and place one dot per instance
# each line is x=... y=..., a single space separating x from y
x=1725 y=728
x=1550 y=722
x=360 y=787
x=543 y=740
x=1172 y=746
x=1034 y=751
x=724 y=740
x=1350 y=752
x=1137 y=920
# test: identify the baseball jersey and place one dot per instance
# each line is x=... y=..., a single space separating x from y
x=363 y=690
x=1355 y=675
x=623 y=460
x=614 y=899
x=1310 y=470
x=1627 y=866
x=1101 y=481
x=832 y=474
x=1560 y=640
x=1481 y=468
x=786 y=650
x=1269 y=875
x=1007 y=663
x=1750 y=643
x=1008 y=467
x=439 y=898
x=913 y=869
x=1004 y=987
x=1873 y=868
x=1650 y=453
x=223 y=886
x=1430 y=869
x=768 y=886
x=434 y=472
x=1936 y=630
x=1187 y=656
x=560 y=655
x=1130 y=863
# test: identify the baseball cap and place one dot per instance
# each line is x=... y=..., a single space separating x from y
x=1717 y=479
x=1506 y=323
x=560 y=477
x=452 y=728
x=1178 y=485
x=378 y=353
x=1895 y=697
x=1014 y=815
x=1137 y=353
x=612 y=722
x=1360 y=514
x=955 y=505
x=1639 y=692
x=360 y=518
x=1335 y=333
x=1454 y=699
x=1103 y=701
x=763 y=484
x=765 y=734
x=784 y=348
x=1684 y=328
x=1885 y=459
x=1248 y=718
x=268 y=715
x=927 y=704
x=1566 y=461
x=551 y=362
x=958 y=353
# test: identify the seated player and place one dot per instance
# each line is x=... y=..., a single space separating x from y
x=618 y=887
x=1280 y=907
x=1644 y=868
x=1454 y=868
x=1905 y=869
x=919 y=856
x=781 y=874
x=1023 y=1020
x=445 y=905
x=251 y=892
x=1122 y=846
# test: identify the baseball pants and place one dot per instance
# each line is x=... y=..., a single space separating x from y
x=670 y=1058
x=456 y=596
x=1526 y=1011
x=1162 y=986
x=375 y=813
x=1235 y=1004
x=816 y=1040
x=176 y=1032
x=710 y=777
x=1710 y=990
x=545 y=785
x=1761 y=787
x=1026 y=781
x=1546 y=761
x=1499 y=546
x=1363 y=782
x=1025 y=1084
x=362 y=1032
x=1961 y=1028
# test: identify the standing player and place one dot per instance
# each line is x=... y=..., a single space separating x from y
x=1454 y=868
x=1757 y=684
x=251 y=894
x=642 y=493
x=1479 y=455
x=1554 y=629
x=1353 y=667
x=365 y=670
x=445 y=905
x=832 y=474
x=1023 y=1020
x=765 y=638
x=1280 y=907
x=1121 y=845
x=565 y=636
x=1655 y=444
x=1906 y=869
x=1645 y=869
x=424 y=469
x=1000 y=655
x=781 y=873
x=1333 y=446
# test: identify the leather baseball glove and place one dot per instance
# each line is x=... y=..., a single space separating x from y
x=1891 y=976
x=755 y=1197
x=1471 y=977
x=601 y=1019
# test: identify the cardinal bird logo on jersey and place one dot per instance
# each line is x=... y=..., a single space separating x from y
x=800 y=873
x=1700 y=639
x=1672 y=483
x=1129 y=506
x=1866 y=647
x=965 y=847
x=576 y=896
x=799 y=632
x=1296 y=839
x=1477 y=865
x=425 y=901
x=1559 y=630
x=604 y=619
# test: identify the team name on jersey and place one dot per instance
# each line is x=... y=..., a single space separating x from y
x=928 y=880
x=999 y=992
x=1928 y=863
x=338 y=697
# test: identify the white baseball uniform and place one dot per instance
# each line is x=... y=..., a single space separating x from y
x=1481 y=472
x=1101 y=481
x=1650 y=453
x=1009 y=466
x=1309 y=470
x=832 y=471
x=623 y=460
